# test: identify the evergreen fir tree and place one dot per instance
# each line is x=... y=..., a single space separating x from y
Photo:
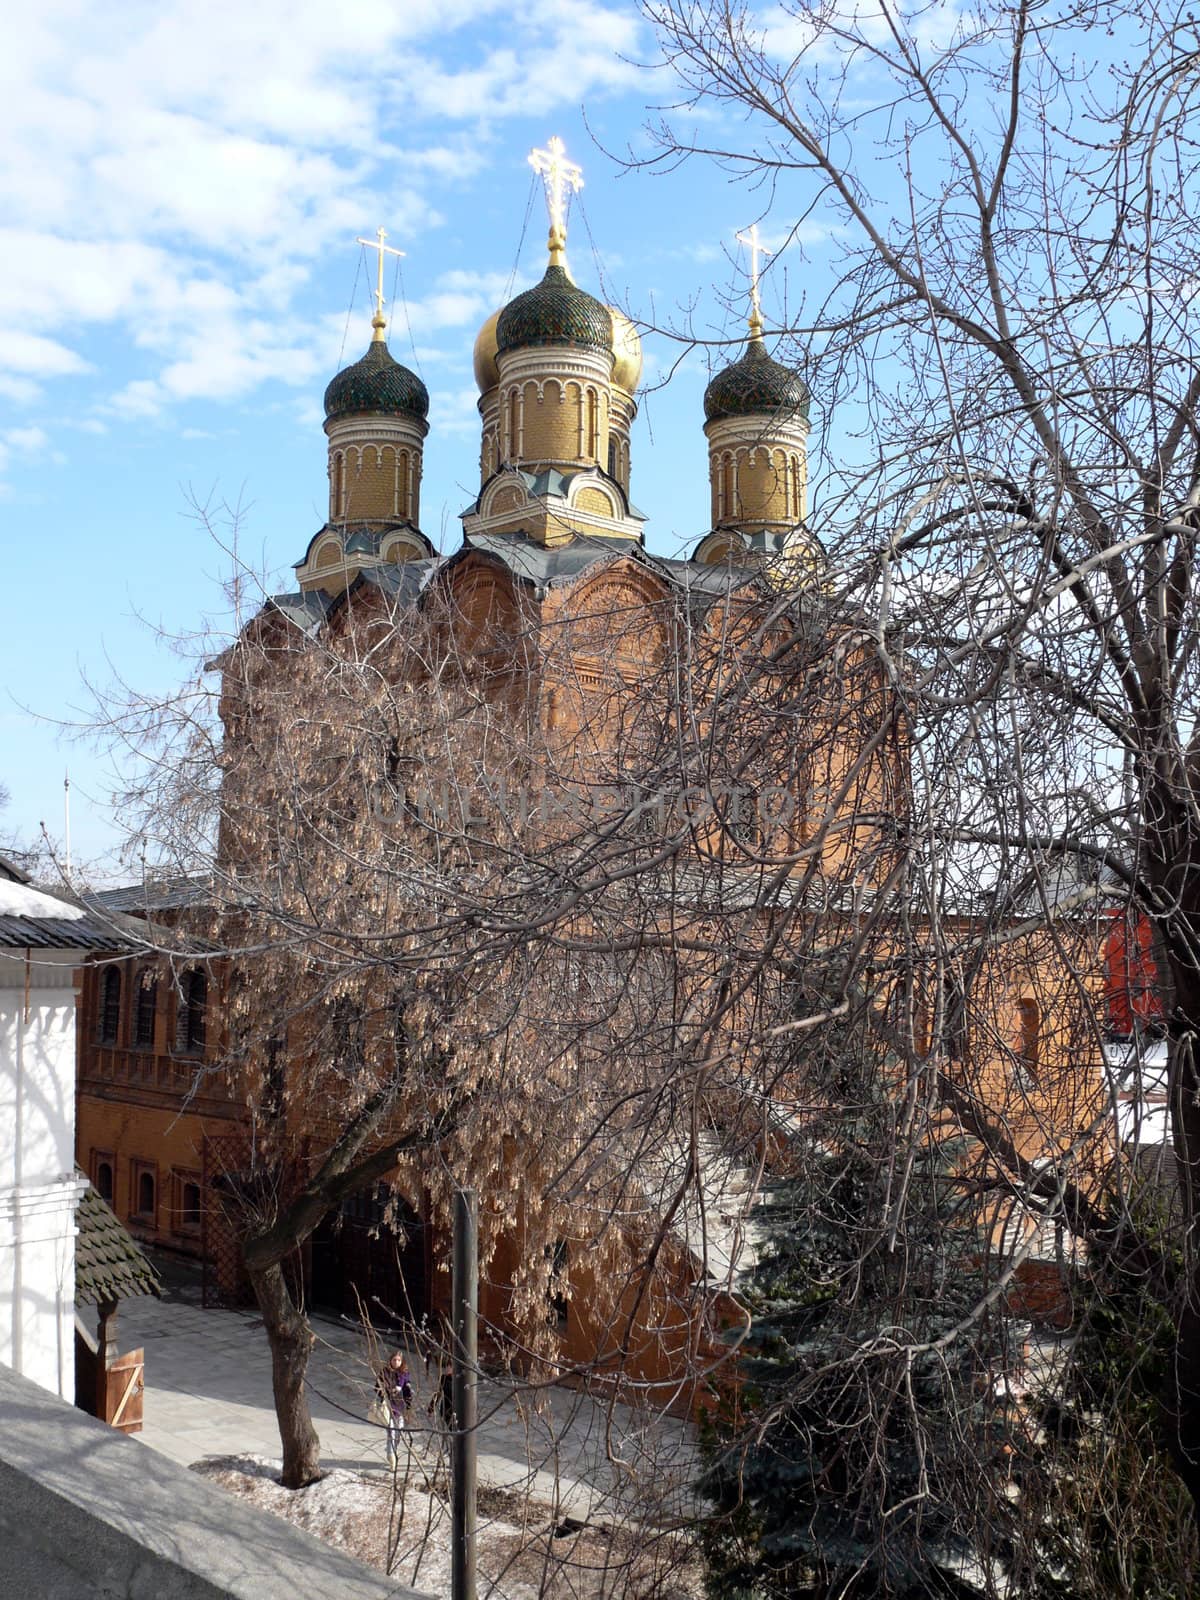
x=867 y=1428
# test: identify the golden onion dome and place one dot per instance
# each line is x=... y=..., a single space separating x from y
x=487 y=374
x=627 y=352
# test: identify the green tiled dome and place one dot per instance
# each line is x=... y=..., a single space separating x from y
x=376 y=383
x=755 y=385
x=555 y=311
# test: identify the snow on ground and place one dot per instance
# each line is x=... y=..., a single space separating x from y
x=401 y=1526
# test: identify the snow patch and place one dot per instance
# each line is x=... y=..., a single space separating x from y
x=21 y=900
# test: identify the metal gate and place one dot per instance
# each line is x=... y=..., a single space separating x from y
x=229 y=1166
x=225 y=1282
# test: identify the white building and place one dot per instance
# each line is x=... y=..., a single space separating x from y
x=42 y=941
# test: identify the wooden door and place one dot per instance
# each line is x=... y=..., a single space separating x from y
x=357 y=1258
x=125 y=1383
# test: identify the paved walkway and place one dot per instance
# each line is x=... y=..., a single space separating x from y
x=208 y=1393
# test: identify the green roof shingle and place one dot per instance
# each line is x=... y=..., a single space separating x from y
x=108 y=1264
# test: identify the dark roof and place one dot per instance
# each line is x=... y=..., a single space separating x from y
x=376 y=383
x=11 y=871
x=706 y=580
x=547 y=566
x=32 y=933
x=756 y=385
x=555 y=311
x=402 y=581
x=306 y=611
x=108 y=1264
x=41 y=926
x=544 y=564
x=162 y=894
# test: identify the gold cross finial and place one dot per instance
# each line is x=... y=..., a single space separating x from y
x=379 y=321
x=757 y=248
x=558 y=174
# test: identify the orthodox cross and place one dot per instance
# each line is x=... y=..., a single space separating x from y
x=558 y=174
x=377 y=321
x=757 y=248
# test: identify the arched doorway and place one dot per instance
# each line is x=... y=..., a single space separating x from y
x=373 y=1249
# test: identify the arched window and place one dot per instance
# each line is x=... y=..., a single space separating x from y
x=110 y=1005
x=593 y=425
x=146 y=1006
x=104 y=1180
x=511 y=453
x=143 y=1192
x=1028 y=1042
x=189 y=1219
x=190 y=1018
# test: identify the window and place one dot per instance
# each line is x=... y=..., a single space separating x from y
x=110 y=1005
x=346 y=1036
x=145 y=1009
x=560 y=1267
x=103 y=1166
x=187 y=1202
x=1029 y=1042
x=955 y=1020
x=189 y=1018
x=274 y=1062
x=143 y=1190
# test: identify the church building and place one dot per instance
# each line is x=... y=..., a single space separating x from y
x=552 y=543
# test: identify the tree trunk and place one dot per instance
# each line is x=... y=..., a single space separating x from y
x=291 y=1340
x=1176 y=883
x=1183 y=1403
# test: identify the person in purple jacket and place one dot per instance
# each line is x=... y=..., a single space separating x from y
x=395 y=1386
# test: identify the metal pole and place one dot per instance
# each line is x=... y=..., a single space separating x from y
x=464 y=1313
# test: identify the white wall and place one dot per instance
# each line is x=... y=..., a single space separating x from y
x=39 y=1191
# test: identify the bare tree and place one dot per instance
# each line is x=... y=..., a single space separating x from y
x=1004 y=360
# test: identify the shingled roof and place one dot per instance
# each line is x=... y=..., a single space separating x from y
x=108 y=1264
x=39 y=919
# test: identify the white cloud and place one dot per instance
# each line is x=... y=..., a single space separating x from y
x=21 y=391
x=29 y=359
x=457 y=413
x=27 y=439
x=141 y=398
x=176 y=179
x=459 y=298
x=788 y=34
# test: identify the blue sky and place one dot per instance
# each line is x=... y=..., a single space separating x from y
x=179 y=280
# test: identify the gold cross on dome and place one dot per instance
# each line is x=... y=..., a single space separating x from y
x=558 y=174
x=377 y=322
x=757 y=248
